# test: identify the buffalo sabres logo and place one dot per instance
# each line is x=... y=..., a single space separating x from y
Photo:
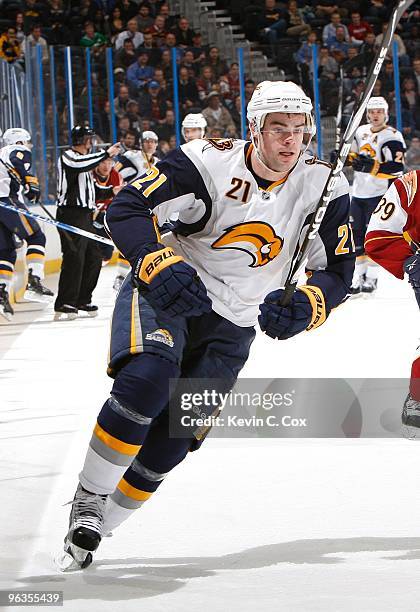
x=259 y=240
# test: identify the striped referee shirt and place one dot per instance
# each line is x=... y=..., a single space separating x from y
x=76 y=187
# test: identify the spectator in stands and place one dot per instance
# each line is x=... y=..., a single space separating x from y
x=140 y=73
x=130 y=140
x=416 y=72
x=249 y=89
x=329 y=33
x=170 y=43
x=368 y=49
x=91 y=38
x=218 y=64
x=152 y=102
x=36 y=38
x=297 y=26
x=155 y=53
x=188 y=91
x=120 y=102
x=19 y=27
x=325 y=8
x=377 y=89
x=183 y=33
x=198 y=49
x=304 y=53
x=128 y=9
x=274 y=21
x=115 y=28
x=119 y=78
x=144 y=18
x=158 y=30
x=412 y=156
x=9 y=46
x=188 y=62
x=123 y=126
x=218 y=115
x=327 y=65
x=339 y=47
x=412 y=43
x=410 y=98
x=57 y=13
x=133 y=114
x=33 y=12
x=387 y=77
x=126 y=56
x=206 y=82
x=132 y=33
x=358 y=29
x=165 y=128
x=165 y=64
x=170 y=20
x=230 y=85
x=377 y=9
x=402 y=53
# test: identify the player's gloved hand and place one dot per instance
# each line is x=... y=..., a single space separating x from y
x=282 y=322
x=363 y=163
x=412 y=268
x=33 y=193
x=171 y=284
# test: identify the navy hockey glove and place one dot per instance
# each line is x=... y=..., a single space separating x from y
x=305 y=311
x=32 y=190
x=363 y=163
x=170 y=283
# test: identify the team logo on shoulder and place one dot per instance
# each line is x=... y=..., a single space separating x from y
x=221 y=144
x=256 y=238
x=161 y=335
x=409 y=181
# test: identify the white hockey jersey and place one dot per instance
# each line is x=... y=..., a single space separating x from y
x=387 y=147
x=15 y=170
x=133 y=163
x=240 y=234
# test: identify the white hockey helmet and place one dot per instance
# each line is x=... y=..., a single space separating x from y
x=194 y=120
x=149 y=135
x=279 y=97
x=377 y=102
x=16 y=135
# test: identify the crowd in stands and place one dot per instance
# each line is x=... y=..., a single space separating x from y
x=144 y=33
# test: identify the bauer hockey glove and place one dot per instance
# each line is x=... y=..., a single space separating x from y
x=305 y=311
x=169 y=283
x=363 y=163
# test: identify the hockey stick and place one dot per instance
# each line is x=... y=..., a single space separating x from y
x=343 y=151
x=65 y=233
x=356 y=61
x=63 y=226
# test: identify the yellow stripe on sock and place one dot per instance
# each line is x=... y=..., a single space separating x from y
x=114 y=443
x=132 y=492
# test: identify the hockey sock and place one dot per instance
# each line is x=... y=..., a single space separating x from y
x=138 y=395
x=35 y=260
x=372 y=271
x=359 y=270
x=6 y=274
x=158 y=456
x=415 y=379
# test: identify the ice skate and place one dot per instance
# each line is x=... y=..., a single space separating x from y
x=6 y=310
x=90 y=309
x=36 y=291
x=369 y=285
x=118 y=282
x=410 y=417
x=65 y=313
x=85 y=530
x=356 y=287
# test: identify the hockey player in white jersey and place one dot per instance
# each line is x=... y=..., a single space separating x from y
x=189 y=308
x=377 y=158
x=193 y=126
x=130 y=165
x=17 y=179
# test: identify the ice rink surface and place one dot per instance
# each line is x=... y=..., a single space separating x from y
x=290 y=525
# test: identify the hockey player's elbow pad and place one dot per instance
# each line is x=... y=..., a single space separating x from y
x=169 y=283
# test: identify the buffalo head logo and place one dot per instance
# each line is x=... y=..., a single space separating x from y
x=253 y=237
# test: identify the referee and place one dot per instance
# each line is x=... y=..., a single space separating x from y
x=82 y=260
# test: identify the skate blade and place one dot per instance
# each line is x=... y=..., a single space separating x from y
x=66 y=562
x=411 y=433
x=32 y=296
x=5 y=316
x=87 y=314
x=65 y=316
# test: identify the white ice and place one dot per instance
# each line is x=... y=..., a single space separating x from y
x=290 y=525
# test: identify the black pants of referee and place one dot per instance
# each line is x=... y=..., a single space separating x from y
x=82 y=259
